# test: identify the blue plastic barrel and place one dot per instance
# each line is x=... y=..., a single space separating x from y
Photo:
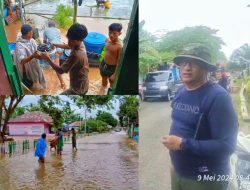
x=94 y=42
x=12 y=46
x=5 y=12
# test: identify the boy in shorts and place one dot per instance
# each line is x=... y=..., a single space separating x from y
x=109 y=64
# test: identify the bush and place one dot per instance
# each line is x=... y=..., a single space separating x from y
x=62 y=16
x=92 y=124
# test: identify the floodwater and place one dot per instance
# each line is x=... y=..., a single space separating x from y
x=102 y=162
x=52 y=82
x=118 y=8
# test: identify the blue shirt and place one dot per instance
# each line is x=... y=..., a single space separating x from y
x=206 y=120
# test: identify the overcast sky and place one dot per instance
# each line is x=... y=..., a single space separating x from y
x=230 y=17
x=28 y=99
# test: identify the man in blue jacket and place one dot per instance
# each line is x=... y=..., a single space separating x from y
x=41 y=148
x=204 y=126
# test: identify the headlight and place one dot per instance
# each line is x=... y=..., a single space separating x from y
x=163 y=87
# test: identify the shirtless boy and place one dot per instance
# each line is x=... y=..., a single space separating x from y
x=109 y=64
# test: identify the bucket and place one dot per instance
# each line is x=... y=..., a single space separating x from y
x=94 y=42
x=5 y=12
x=12 y=47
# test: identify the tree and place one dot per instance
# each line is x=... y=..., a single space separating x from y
x=92 y=101
x=175 y=41
x=69 y=115
x=18 y=111
x=128 y=109
x=7 y=107
x=240 y=58
x=149 y=57
x=107 y=118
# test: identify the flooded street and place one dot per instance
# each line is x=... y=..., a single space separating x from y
x=118 y=8
x=102 y=162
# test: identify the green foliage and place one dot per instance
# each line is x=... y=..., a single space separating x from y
x=240 y=57
x=107 y=118
x=128 y=108
x=62 y=16
x=154 y=51
x=18 y=111
x=49 y=105
x=69 y=115
x=96 y=125
x=92 y=101
x=177 y=40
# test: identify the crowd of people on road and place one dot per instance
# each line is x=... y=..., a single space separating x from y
x=28 y=55
x=57 y=143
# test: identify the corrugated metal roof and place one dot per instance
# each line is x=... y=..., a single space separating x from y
x=76 y=123
x=36 y=116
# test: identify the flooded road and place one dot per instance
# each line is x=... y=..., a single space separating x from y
x=102 y=162
x=118 y=8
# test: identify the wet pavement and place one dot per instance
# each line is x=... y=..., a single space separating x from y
x=118 y=8
x=103 y=161
x=154 y=170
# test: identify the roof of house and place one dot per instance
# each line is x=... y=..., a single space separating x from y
x=35 y=116
x=76 y=124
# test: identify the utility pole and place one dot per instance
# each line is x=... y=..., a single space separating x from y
x=21 y=11
x=75 y=12
x=85 y=131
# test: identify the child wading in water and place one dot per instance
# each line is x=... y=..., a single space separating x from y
x=109 y=64
x=59 y=142
x=41 y=148
x=74 y=139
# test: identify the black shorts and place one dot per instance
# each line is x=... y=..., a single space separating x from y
x=106 y=70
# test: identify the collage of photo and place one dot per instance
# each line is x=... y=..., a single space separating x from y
x=124 y=95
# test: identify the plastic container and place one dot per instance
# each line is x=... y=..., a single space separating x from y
x=12 y=47
x=94 y=42
x=5 y=12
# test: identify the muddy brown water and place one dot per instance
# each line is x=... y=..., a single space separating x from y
x=102 y=162
x=52 y=82
x=118 y=8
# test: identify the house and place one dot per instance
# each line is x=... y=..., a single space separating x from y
x=76 y=125
x=32 y=123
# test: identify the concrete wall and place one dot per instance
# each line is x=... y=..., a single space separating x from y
x=27 y=129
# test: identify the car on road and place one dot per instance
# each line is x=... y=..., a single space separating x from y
x=160 y=84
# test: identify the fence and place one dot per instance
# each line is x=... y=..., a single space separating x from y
x=12 y=148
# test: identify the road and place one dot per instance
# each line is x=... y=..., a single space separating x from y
x=102 y=162
x=154 y=161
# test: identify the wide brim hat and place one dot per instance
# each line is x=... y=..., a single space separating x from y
x=199 y=53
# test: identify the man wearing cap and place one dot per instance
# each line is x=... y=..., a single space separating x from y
x=26 y=58
x=204 y=126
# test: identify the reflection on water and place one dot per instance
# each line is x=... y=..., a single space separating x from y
x=118 y=8
x=101 y=162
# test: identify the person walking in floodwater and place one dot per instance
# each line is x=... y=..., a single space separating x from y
x=59 y=142
x=41 y=148
x=52 y=35
x=73 y=139
x=109 y=64
x=77 y=63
